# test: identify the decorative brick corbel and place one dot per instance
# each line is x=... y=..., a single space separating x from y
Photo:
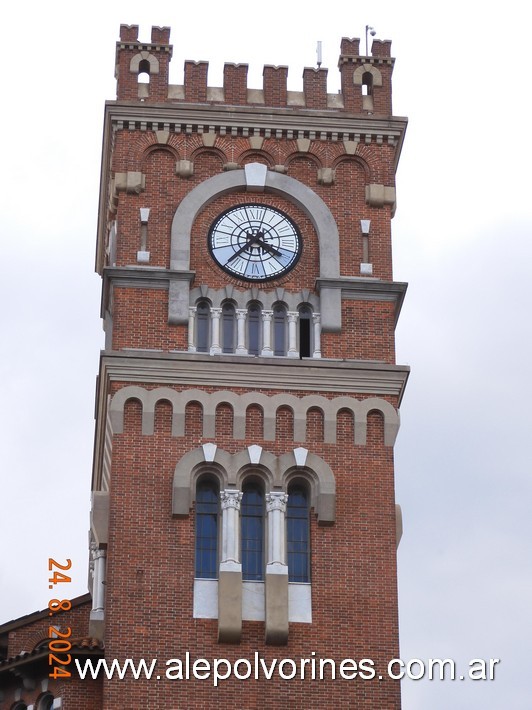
x=325 y=176
x=184 y=168
x=380 y=195
x=132 y=182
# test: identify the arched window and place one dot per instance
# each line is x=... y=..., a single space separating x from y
x=298 y=534
x=305 y=332
x=228 y=328
x=20 y=706
x=207 y=506
x=144 y=72
x=367 y=84
x=252 y=534
x=46 y=702
x=203 y=327
x=254 y=329
x=279 y=330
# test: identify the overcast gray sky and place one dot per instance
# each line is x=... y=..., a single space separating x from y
x=461 y=239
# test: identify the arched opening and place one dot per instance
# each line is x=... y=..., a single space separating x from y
x=305 y=332
x=252 y=532
x=254 y=329
x=144 y=72
x=367 y=84
x=45 y=702
x=228 y=328
x=207 y=513
x=298 y=533
x=279 y=330
x=203 y=327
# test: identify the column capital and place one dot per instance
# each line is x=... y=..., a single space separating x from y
x=230 y=499
x=276 y=500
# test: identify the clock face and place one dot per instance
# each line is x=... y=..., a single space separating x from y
x=254 y=242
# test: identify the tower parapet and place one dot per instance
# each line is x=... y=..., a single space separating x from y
x=136 y=60
x=142 y=75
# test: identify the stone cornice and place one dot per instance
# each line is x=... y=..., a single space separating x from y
x=278 y=120
x=229 y=372
x=367 y=289
x=250 y=373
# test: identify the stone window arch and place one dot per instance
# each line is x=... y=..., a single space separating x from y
x=257 y=178
x=367 y=77
x=144 y=62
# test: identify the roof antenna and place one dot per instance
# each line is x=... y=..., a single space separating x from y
x=372 y=32
x=318 y=54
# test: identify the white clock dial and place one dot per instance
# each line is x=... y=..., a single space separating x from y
x=254 y=242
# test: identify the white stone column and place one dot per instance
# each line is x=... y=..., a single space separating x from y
x=292 y=334
x=230 y=504
x=316 y=319
x=276 y=581
x=216 y=314
x=276 y=511
x=241 y=332
x=98 y=582
x=267 y=334
x=192 y=329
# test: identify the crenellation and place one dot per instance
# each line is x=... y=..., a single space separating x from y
x=129 y=33
x=235 y=83
x=275 y=85
x=160 y=35
x=196 y=81
x=365 y=80
x=315 y=88
x=381 y=48
x=350 y=47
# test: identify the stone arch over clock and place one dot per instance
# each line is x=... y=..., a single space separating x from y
x=255 y=178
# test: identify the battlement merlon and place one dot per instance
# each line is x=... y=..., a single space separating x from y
x=142 y=71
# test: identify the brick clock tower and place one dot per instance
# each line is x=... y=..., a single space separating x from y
x=247 y=407
x=243 y=501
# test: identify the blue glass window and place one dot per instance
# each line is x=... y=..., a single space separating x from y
x=298 y=535
x=202 y=327
x=252 y=537
x=254 y=333
x=279 y=330
x=207 y=530
x=228 y=328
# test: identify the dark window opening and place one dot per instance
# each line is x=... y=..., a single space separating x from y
x=144 y=72
x=228 y=328
x=279 y=330
x=305 y=332
x=367 y=84
x=254 y=323
x=202 y=327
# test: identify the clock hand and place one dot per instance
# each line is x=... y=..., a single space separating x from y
x=267 y=247
x=250 y=239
